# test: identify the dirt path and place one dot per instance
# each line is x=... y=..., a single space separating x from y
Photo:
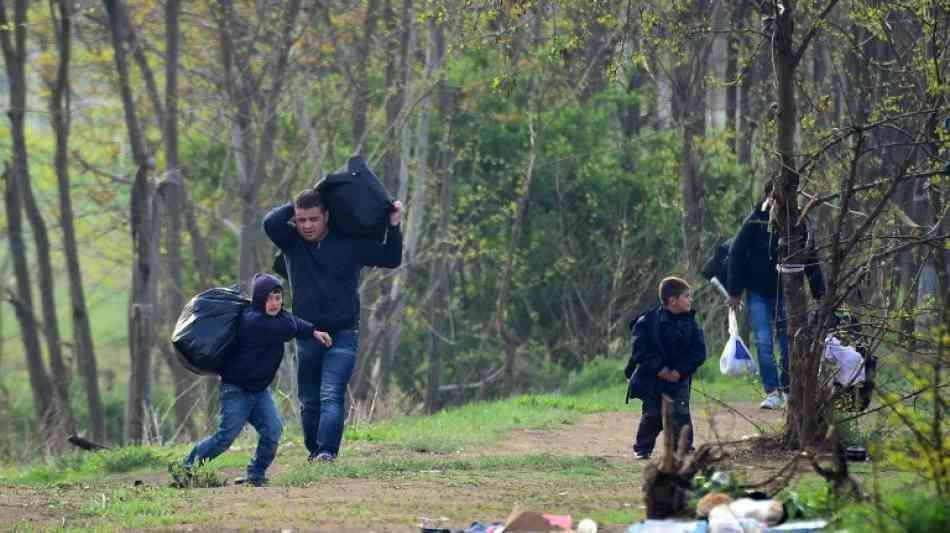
x=611 y=434
x=398 y=504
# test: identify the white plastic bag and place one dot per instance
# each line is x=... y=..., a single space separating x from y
x=848 y=362
x=735 y=359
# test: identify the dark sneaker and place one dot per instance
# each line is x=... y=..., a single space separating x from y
x=253 y=481
x=641 y=456
x=322 y=457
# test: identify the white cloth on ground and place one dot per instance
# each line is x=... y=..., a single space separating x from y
x=848 y=362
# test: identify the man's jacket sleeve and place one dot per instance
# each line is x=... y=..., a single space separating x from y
x=277 y=226
x=816 y=280
x=737 y=253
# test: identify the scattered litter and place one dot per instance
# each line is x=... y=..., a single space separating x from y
x=669 y=526
x=587 y=526
x=523 y=521
x=799 y=526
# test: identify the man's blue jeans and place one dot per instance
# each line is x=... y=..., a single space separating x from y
x=764 y=312
x=239 y=406
x=322 y=376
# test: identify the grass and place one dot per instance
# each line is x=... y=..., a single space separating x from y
x=442 y=468
x=79 y=467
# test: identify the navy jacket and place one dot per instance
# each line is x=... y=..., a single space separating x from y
x=261 y=339
x=663 y=339
x=325 y=275
x=753 y=257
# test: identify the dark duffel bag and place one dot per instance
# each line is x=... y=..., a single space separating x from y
x=205 y=335
x=358 y=203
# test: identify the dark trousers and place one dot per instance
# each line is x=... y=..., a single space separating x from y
x=651 y=422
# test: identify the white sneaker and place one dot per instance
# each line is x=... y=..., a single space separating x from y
x=773 y=401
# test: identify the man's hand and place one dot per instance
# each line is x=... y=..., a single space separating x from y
x=395 y=217
x=734 y=302
x=323 y=337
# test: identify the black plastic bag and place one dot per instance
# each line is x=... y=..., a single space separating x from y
x=206 y=333
x=358 y=203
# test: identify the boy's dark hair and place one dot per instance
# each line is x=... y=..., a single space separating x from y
x=277 y=289
x=308 y=198
x=672 y=287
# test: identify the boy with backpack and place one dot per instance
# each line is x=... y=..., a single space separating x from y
x=264 y=328
x=668 y=347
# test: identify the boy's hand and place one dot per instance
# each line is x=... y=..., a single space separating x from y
x=323 y=337
x=669 y=375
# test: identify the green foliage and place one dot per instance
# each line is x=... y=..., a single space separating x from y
x=897 y=511
x=193 y=477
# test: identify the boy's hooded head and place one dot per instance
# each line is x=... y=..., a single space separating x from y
x=266 y=294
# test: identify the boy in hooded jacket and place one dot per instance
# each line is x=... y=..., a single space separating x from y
x=264 y=328
x=668 y=347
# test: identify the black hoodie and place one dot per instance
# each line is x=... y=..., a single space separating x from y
x=753 y=256
x=261 y=339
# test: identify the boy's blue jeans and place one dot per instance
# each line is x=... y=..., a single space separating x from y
x=765 y=311
x=239 y=406
x=322 y=377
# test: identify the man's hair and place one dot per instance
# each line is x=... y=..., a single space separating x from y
x=276 y=290
x=672 y=287
x=308 y=198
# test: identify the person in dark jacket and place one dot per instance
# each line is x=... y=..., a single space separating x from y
x=668 y=348
x=324 y=269
x=263 y=330
x=752 y=267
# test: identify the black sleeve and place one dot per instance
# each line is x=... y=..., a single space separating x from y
x=643 y=353
x=304 y=329
x=277 y=226
x=696 y=355
x=816 y=280
x=737 y=254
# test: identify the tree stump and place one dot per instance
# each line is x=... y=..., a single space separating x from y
x=667 y=484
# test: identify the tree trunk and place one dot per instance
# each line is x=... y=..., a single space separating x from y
x=47 y=395
x=172 y=189
x=374 y=364
x=503 y=300
x=717 y=99
x=438 y=309
x=82 y=330
x=22 y=301
x=804 y=421
x=142 y=300
x=689 y=111
x=360 y=77
x=253 y=147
